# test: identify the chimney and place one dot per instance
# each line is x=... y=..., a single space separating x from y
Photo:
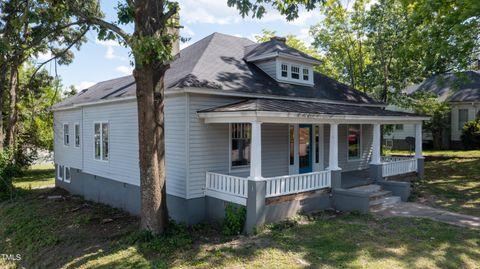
x=175 y=29
x=279 y=39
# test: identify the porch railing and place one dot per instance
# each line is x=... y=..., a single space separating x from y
x=284 y=185
x=227 y=188
x=392 y=166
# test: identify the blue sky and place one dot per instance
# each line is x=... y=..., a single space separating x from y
x=97 y=61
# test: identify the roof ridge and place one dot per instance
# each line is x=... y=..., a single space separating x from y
x=200 y=58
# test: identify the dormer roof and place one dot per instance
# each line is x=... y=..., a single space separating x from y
x=276 y=47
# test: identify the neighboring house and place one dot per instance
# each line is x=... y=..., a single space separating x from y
x=461 y=91
x=246 y=123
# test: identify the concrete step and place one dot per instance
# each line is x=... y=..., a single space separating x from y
x=380 y=194
x=372 y=188
x=385 y=201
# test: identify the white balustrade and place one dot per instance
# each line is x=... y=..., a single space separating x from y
x=393 y=166
x=284 y=185
x=226 y=187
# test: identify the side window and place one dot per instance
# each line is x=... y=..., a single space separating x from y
x=462 y=118
x=66 y=134
x=101 y=142
x=284 y=70
x=305 y=74
x=67 y=175
x=240 y=149
x=77 y=135
x=60 y=172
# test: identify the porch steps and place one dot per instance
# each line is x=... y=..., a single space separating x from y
x=379 y=197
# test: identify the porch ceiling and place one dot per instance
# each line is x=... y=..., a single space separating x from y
x=289 y=111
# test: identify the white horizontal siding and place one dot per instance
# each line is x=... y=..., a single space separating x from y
x=69 y=156
x=269 y=67
x=123 y=163
x=176 y=144
x=209 y=145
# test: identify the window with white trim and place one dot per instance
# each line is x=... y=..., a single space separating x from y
x=295 y=72
x=66 y=134
x=353 y=141
x=67 y=174
x=77 y=135
x=101 y=141
x=60 y=172
x=462 y=118
x=305 y=74
x=284 y=70
x=240 y=144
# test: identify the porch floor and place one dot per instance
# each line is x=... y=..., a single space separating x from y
x=357 y=178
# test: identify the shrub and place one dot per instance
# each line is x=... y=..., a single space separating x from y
x=471 y=134
x=6 y=173
x=234 y=219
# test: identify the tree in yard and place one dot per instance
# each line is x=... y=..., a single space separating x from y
x=427 y=103
x=151 y=45
x=28 y=28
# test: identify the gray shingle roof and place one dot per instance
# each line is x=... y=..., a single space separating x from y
x=216 y=62
x=453 y=87
x=275 y=46
x=276 y=105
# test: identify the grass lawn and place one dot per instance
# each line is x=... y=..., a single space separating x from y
x=438 y=153
x=73 y=233
x=38 y=176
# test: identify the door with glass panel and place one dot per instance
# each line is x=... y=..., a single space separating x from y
x=305 y=148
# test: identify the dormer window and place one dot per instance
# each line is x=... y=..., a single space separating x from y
x=295 y=72
x=290 y=72
x=305 y=74
x=285 y=70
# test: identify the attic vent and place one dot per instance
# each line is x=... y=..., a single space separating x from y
x=279 y=39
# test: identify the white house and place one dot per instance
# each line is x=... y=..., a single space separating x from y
x=462 y=92
x=246 y=123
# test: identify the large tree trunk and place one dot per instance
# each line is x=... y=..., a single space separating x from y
x=3 y=81
x=13 y=109
x=151 y=151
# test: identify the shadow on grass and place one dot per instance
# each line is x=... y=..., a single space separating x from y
x=73 y=233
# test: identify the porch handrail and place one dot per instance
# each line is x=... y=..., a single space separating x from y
x=226 y=187
x=291 y=184
x=397 y=167
x=395 y=158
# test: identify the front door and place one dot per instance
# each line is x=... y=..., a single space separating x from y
x=305 y=148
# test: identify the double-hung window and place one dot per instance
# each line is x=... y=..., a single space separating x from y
x=353 y=137
x=60 y=172
x=295 y=72
x=284 y=70
x=77 y=135
x=462 y=118
x=67 y=175
x=66 y=134
x=101 y=141
x=305 y=74
x=240 y=144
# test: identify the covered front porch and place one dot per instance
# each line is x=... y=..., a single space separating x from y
x=320 y=159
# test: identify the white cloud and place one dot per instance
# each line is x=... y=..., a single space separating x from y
x=84 y=85
x=126 y=70
x=110 y=53
x=110 y=44
x=305 y=36
x=208 y=11
x=186 y=31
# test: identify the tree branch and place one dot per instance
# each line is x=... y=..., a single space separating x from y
x=58 y=54
x=112 y=27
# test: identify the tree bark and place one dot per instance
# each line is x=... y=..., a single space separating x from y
x=3 y=81
x=149 y=78
x=13 y=109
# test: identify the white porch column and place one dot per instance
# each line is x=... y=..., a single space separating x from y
x=256 y=151
x=333 y=152
x=418 y=141
x=376 y=155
